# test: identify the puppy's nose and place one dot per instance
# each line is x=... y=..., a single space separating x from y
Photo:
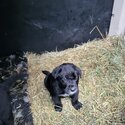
x=72 y=87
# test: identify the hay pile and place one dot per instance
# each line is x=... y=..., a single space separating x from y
x=102 y=87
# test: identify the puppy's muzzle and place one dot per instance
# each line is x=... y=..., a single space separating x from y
x=72 y=88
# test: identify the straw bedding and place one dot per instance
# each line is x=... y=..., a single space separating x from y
x=102 y=86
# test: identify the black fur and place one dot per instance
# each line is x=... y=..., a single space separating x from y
x=6 y=117
x=62 y=82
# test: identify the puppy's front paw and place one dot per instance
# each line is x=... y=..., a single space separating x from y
x=77 y=105
x=58 y=108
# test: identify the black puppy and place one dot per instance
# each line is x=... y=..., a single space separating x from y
x=62 y=82
x=6 y=117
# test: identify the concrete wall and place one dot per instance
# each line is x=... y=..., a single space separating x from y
x=117 y=26
x=44 y=25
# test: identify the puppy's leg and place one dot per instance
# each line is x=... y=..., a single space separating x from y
x=57 y=103
x=75 y=103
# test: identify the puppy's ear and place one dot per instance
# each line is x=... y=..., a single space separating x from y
x=46 y=72
x=56 y=72
x=79 y=72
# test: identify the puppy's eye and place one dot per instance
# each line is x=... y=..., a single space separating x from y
x=71 y=76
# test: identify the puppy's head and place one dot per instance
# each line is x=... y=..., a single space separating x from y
x=67 y=76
